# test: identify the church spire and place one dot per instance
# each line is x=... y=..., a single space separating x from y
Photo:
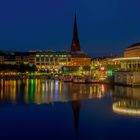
x=75 y=42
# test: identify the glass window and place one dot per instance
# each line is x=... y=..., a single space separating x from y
x=47 y=59
x=37 y=59
x=42 y=59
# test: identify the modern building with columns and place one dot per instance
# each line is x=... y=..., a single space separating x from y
x=129 y=71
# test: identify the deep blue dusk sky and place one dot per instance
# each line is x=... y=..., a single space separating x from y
x=105 y=26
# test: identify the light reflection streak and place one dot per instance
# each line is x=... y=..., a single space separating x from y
x=37 y=91
x=125 y=110
x=126 y=101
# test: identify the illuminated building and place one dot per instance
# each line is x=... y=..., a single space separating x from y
x=103 y=69
x=131 y=59
x=129 y=71
x=47 y=60
x=56 y=60
x=132 y=51
x=50 y=61
x=104 y=62
x=17 y=58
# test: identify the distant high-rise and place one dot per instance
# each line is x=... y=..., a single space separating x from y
x=75 y=46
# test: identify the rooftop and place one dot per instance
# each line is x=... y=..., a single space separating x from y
x=134 y=45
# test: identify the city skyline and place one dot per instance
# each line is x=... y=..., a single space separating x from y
x=48 y=25
x=69 y=69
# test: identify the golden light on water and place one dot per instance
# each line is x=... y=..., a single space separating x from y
x=125 y=110
x=44 y=92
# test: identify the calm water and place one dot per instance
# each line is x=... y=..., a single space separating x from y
x=50 y=110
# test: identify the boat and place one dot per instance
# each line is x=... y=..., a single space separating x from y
x=92 y=80
x=79 y=80
x=67 y=78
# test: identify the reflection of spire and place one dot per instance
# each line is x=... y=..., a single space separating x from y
x=76 y=105
x=75 y=42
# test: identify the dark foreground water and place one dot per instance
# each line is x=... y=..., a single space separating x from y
x=53 y=110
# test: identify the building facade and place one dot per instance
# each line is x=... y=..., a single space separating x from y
x=17 y=58
x=129 y=71
x=57 y=60
x=53 y=61
x=132 y=51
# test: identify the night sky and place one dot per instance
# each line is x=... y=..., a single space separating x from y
x=105 y=26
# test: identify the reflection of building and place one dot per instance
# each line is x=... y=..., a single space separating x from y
x=76 y=105
x=127 y=107
x=121 y=92
x=129 y=101
x=129 y=72
x=40 y=92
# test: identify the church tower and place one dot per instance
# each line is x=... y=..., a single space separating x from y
x=75 y=46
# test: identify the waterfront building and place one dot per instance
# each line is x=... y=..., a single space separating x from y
x=129 y=71
x=56 y=61
x=131 y=59
x=106 y=62
x=104 y=68
x=50 y=61
x=17 y=58
x=132 y=51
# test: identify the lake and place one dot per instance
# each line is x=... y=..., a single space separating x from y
x=50 y=110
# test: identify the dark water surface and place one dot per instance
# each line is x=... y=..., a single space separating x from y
x=53 y=110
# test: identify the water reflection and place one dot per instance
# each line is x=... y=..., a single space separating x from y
x=126 y=101
x=76 y=106
x=38 y=92
x=44 y=92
